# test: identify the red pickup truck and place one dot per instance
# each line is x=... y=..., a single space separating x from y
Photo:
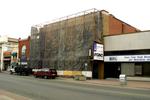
x=45 y=73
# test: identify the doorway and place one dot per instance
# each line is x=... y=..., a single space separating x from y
x=95 y=70
x=112 y=70
x=6 y=64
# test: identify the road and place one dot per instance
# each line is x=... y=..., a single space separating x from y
x=43 y=89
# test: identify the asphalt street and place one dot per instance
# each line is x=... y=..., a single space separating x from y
x=57 y=89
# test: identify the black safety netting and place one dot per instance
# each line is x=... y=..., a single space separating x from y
x=65 y=44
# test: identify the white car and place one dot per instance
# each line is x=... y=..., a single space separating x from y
x=11 y=69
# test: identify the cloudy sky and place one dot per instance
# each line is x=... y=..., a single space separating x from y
x=17 y=16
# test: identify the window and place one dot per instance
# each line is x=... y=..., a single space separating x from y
x=23 y=50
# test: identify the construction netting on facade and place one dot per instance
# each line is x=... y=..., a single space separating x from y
x=35 y=58
x=65 y=44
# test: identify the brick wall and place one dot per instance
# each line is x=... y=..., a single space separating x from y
x=25 y=42
x=117 y=26
x=128 y=28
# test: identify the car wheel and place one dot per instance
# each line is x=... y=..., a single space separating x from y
x=11 y=72
x=53 y=77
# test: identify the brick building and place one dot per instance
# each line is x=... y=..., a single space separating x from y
x=24 y=51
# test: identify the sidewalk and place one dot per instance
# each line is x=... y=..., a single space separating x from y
x=144 y=79
x=130 y=84
x=113 y=83
x=4 y=95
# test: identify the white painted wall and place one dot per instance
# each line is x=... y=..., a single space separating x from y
x=131 y=41
x=3 y=39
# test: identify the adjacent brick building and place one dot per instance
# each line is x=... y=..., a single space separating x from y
x=24 y=50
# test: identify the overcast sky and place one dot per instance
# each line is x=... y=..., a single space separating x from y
x=17 y=16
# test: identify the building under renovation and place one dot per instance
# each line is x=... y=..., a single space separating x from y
x=74 y=43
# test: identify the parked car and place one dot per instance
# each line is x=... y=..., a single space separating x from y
x=45 y=73
x=11 y=69
x=23 y=70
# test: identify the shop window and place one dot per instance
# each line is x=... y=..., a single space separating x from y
x=138 y=69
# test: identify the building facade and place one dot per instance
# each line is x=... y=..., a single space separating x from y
x=24 y=51
x=127 y=54
x=8 y=52
x=75 y=43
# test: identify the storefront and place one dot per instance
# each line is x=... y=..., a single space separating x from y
x=131 y=65
x=6 y=60
x=127 y=54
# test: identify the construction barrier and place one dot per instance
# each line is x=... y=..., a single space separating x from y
x=87 y=74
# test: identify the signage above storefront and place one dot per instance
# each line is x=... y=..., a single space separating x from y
x=128 y=58
x=7 y=54
x=98 y=52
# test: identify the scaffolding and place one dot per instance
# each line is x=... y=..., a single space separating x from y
x=64 y=43
x=34 y=47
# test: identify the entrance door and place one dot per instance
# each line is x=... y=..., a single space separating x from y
x=112 y=70
x=6 y=64
x=95 y=70
x=146 y=70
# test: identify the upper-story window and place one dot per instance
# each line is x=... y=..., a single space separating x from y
x=23 y=51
